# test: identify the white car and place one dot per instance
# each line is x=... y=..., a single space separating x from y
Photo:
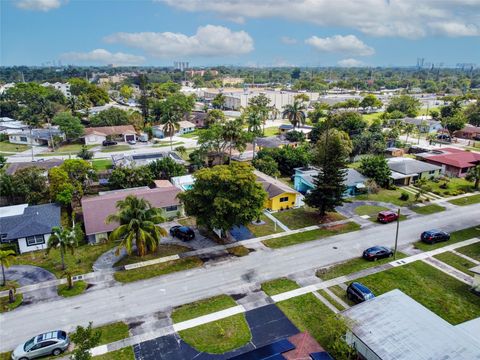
x=50 y=343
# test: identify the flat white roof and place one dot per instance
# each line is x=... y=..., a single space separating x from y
x=12 y=210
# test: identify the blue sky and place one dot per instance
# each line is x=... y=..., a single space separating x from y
x=240 y=32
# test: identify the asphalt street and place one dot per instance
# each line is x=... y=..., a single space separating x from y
x=234 y=275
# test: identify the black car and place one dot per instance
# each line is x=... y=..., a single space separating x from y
x=182 y=232
x=377 y=252
x=434 y=236
x=109 y=143
x=358 y=292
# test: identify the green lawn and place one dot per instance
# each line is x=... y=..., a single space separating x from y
x=428 y=209
x=79 y=263
x=162 y=251
x=372 y=116
x=219 y=336
x=309 y=314
x=271 y=131
x=113 y=148
x=455 y=186
x=278 y=286
x=352 y=266
x=331 y=300
x=388 y=196
x=304 y=216
x=342 y=294
x=122 y=354
x=239 y=251
x=202 y=307
x=190 y=134
x=472 y=251
x=439 y=292
x=77 y=288
x=102 y=164
x=6 y=306
x=456 y=261
x=11 y=148
x=468 y=200
x=9 y=284
x=455 y=236
x=265 y=229
x=165 y=144
x=69 y=149
x=150 y=271
x=310 y=235
x=113 y=332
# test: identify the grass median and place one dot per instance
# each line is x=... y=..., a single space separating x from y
x=305 y=216
x=467 y=200
x=122 y=354
x=456 y=261
x=161 y=251
x=6 y=306
x=428 y=209
x=202 y=307
x=147 y=272
x=310 y=235
x=472 y=251
x=278 y=286
x=78 y=288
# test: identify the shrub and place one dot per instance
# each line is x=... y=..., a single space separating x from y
x=444 y=185
x=404 y=196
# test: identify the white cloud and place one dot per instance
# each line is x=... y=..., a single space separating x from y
x=288 y=40
x=208 y=41
x=402 y=18
x=102 y=56
x=348 y=44
x=350 y=63
x=39 y=5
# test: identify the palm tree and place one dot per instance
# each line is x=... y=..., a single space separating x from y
x=171 y=124
x=65 y=239
x=473 y=174
x=5 y=256
x=137 y=219
x=254 y=123
x=295 y=113
x=408 y=129
x=72 y=104
x=234 y=134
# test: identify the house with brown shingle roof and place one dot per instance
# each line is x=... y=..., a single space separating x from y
x=96 y=135
x=96 y=209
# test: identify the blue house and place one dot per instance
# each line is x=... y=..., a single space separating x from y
x=304 y=180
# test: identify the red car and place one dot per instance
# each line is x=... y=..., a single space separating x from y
x=387 y=216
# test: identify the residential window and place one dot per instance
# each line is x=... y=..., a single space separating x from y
x=23 y=138
x=171 y=208
x=35 y=240
x=431 y=172
x=3 y=237
x=284 y=199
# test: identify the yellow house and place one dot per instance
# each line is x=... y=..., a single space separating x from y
x=280 y=196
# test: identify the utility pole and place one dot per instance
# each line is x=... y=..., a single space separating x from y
x=396 y=236
x=31 y=142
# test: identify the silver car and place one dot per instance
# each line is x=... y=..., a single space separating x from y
x=50 y=343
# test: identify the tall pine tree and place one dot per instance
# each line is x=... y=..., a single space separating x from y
x=330 y=155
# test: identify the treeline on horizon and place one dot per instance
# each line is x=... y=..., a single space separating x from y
x=432 y=80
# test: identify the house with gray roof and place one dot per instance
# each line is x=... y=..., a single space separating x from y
x=424 y=125
x=304 y=180
x=394 y=326
x=35 y=137
x=406 y=171
x=29 y=227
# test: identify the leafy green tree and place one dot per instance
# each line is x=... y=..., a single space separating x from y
x=61 y=189
x=254 y=123
x=376 y=168
x=235 y=137
x=406 y=104
x=95 y=95
x=137 y=221
x=260 y=105
x=295 y=136
x=85 y=154
x=267 y=165
x=320 y=110
x=454 y=123
x=63 y=239
x=5 y=257
x=135 y=119
x=224 y=196
x=472 y=113
x=125 y=177
x=349 y=121
x=3 y=161
x=164 y=90
x=30 y=184
x=295 y=113
x=126 y=92
x=218 y=101
x=70 y=125
x=214 y=116
x=435 y=114
x=473 y=174
x=288 y=158
x=110 y=117
x=166 y=168
x=330 y=155
x=84 y=340
x=370 y=101
x=409 y=129
x=451 y=109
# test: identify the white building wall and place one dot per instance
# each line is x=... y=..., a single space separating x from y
x=94 y=139
x=23 y=247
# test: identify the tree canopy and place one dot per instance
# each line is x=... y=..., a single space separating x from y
x=110 y=117
x=406 y=104
x=70 y=125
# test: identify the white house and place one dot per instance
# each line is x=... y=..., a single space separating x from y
x=28 y=227
x=35 y=137
x=64 y=88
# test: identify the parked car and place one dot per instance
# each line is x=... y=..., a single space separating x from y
x=50 y=343
x=377 y=252
x=444 y=137
x=358 y=292
x=182 y=232
x=108 y=142
x=434 y=236
x=132 y=142
x=387 y=216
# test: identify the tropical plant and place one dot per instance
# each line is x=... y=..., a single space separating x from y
x=295 y=113
x=171 y=124
x=85 y=154
x=473 y=174
x=63 y=238
x=254 y=122
x=137 y=225
x=84 y=340
x=5 y=256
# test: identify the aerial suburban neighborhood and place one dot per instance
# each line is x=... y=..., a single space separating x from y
x=240 y=180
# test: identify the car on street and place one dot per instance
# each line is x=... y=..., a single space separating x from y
x=359 y=293
x=444 y=137
x=434 y=236
x=182 y=232
x=108 y=142
x=46 y=344
x=377 y=252
x=132 y=142
x=387 y=216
